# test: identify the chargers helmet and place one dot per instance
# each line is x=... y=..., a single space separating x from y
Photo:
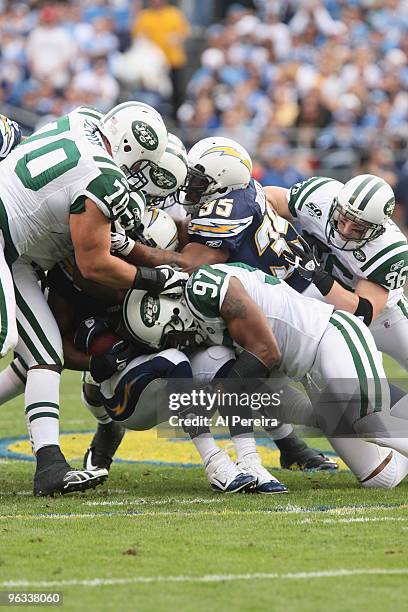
x=159 y=321
x=368 y=201
x=138 y=138
x=217 y=166
x=159 y=230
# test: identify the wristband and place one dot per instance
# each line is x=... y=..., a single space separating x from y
x=149 y=279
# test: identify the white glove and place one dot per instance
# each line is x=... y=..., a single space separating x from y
x=175 y=280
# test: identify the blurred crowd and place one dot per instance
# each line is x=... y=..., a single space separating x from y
x=307 y=86
x=56 y=55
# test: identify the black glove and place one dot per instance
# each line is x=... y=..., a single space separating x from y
x=321 y=246
x=114 y=360
x=87 y=331
x=162 y=279
x=306 y=260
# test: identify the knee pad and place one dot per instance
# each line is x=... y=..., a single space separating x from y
x=206 y=363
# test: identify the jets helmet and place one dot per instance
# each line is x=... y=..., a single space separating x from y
x=216 y=166
x=366 y=200
x=169 y=174
x=137 y=136
x=159 y=321
x=159 y=230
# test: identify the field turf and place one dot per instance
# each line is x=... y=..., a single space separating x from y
x=155 y=538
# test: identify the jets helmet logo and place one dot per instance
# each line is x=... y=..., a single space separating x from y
x=145 y=135
x=162 y=178
x=149 y=310
x=224 y=150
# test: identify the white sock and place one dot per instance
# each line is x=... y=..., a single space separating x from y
x=98 y=412
x=244 y=445
x=206 y=446
x=42 y=407
x=12 y=381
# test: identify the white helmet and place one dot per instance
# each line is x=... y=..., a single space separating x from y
x=368 y=201
x=159 y=321
x=138 y=138
x=170 y=172
x=159 y=230
x=216 y=167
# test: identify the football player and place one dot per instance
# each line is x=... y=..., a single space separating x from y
x=59 y=192
x=232 y=222
x=356 y=256
x=271 y=326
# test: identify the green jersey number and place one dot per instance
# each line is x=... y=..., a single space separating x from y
x=44 y=164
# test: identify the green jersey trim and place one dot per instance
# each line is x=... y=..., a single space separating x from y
x=392 y=274
x=205 y=292
x=78 y=206
x=381 y=254
x=301 y=191
x=10 y=251
x=90 y=112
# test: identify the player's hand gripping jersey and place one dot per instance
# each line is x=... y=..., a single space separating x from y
x=383 y=260
x=48 y=177
x=253 y=234
x=297 y=322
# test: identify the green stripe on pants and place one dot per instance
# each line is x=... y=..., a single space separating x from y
x=358 y=364
x=29 y=315
x=377 y=381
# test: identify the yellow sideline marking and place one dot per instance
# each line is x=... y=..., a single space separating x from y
x=149 y=446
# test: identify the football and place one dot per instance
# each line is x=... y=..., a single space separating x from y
x=102 y=343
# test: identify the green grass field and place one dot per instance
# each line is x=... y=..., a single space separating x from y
x=156 y=538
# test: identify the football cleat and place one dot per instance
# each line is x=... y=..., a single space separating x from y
x=265 y=482
x=104 y=445
x=296 y=454
x=224 y=476
x=54 y=475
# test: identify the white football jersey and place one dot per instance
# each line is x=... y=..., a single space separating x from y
x=48 y=177
x=298 y=322
x=383 y=261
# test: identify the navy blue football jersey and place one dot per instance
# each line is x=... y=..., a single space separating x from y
x=254 y=234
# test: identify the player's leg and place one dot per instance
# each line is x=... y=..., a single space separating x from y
x=358 y=394
x=108 y=435
x=40 y=346
x=390 y=331
x=13 y=380
x=8 y=325
x=208 y=365
x=374 y=466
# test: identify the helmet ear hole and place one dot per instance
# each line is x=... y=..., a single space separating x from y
x=127 y=148
x=176 y=311
x=223 y=190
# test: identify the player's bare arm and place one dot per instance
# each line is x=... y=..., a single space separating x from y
x=192 y=256
x=90 y=233
x=277 y=199
x=248 y=325
x=343 y=299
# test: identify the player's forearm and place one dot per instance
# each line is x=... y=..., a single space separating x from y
x=342 y=299
x=74 y=359
x=107 y=270
x=148 y=256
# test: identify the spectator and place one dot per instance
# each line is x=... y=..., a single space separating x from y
x=166 y=26
x=279 y=169
x=50 y=49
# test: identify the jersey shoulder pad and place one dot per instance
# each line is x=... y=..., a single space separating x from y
x=10 y=135
x=300 y=193
x=205 y=291
x=389 y=266
x=109 y=190
x=88 y=111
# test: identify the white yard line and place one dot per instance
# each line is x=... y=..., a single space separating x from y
x=361 y=519
x=97 y=582
x=156 y=502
